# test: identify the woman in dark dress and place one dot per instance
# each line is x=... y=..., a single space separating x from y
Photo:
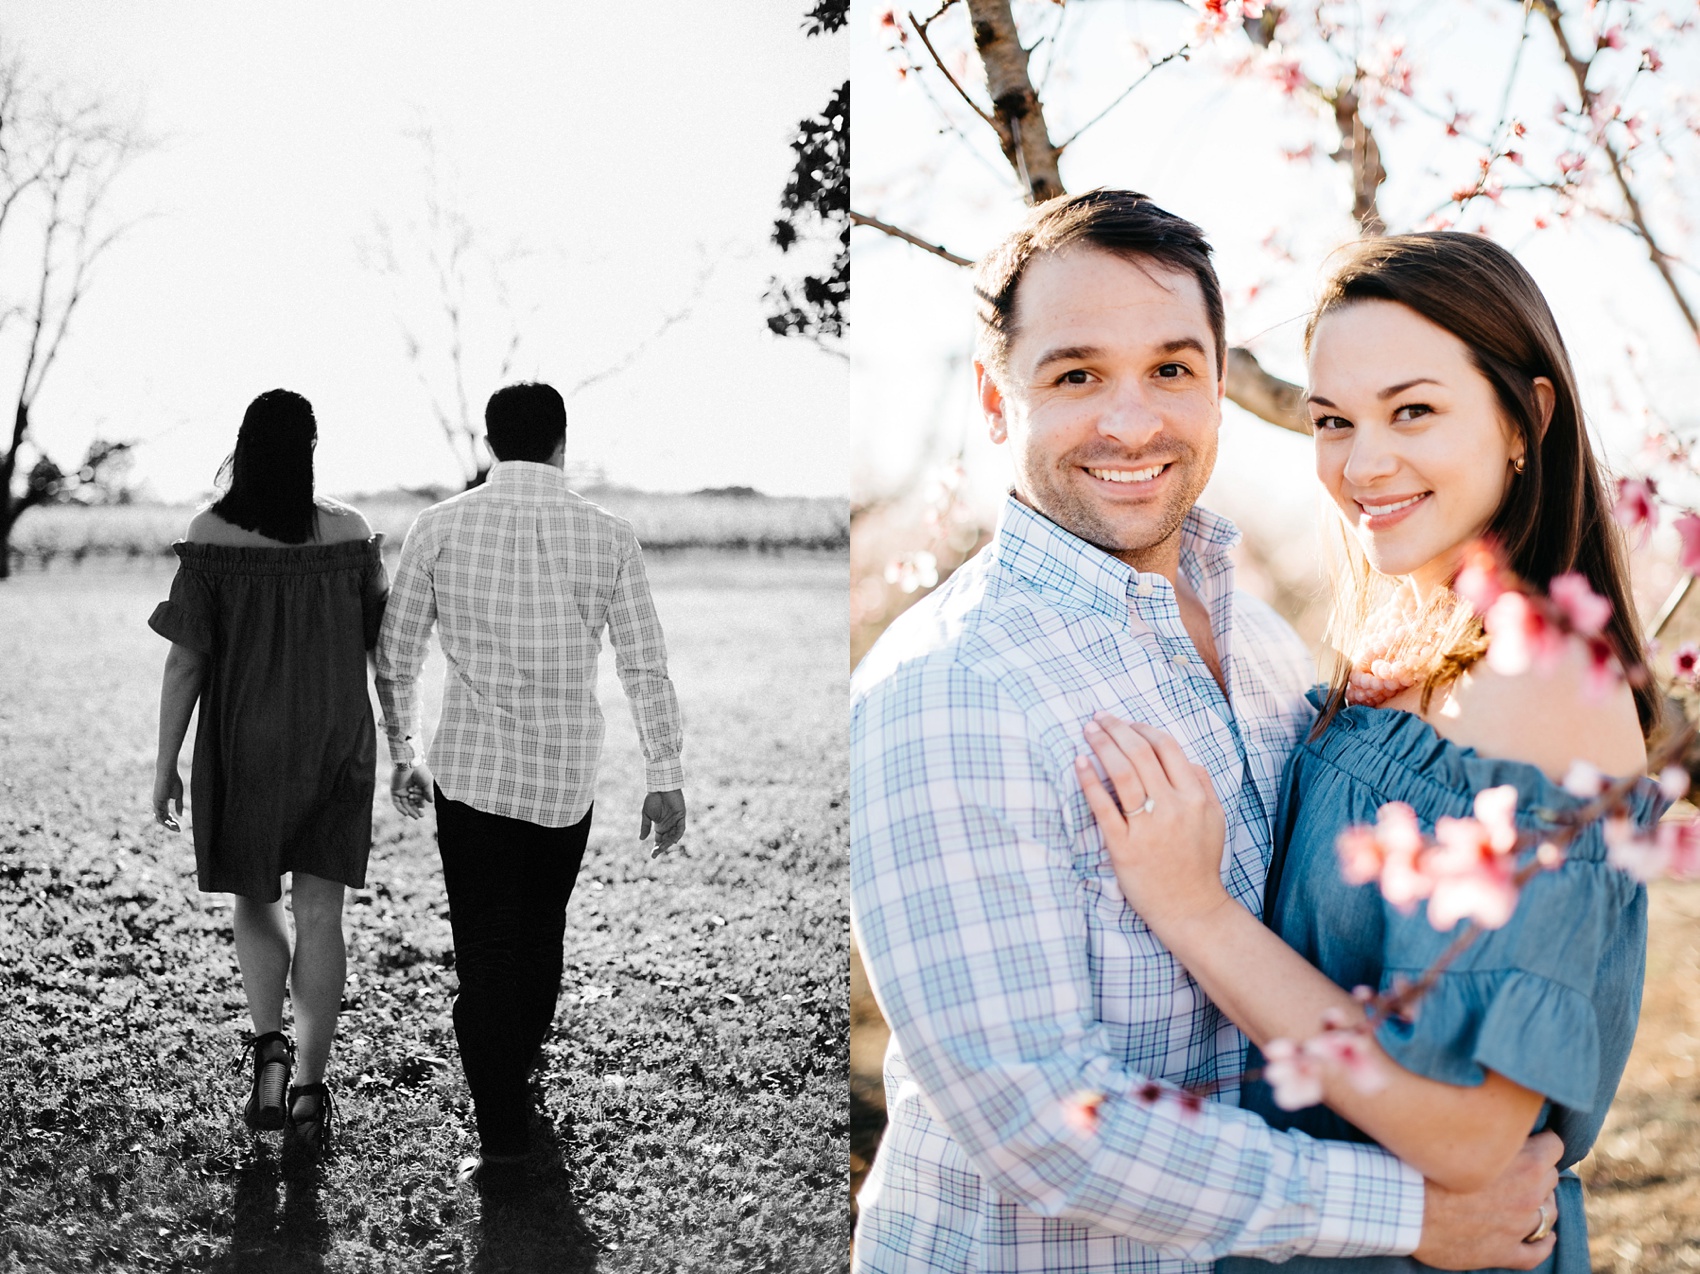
x=277 y=598
x=1444 y=409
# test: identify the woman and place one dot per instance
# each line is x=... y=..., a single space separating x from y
x=1444 y=409
x=277 y=595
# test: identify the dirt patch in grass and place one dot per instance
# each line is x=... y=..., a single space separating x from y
x=694 y=1112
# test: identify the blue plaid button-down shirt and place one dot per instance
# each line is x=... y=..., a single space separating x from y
x=1011 y=970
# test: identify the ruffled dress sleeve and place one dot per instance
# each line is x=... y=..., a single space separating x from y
x=374 y=593
x=189 y=616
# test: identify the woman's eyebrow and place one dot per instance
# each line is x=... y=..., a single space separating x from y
x=1390 y=392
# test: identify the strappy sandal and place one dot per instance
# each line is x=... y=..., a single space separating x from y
x=311 y=1134
x=274 y=1060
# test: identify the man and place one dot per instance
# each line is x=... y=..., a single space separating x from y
x=520 y=576
x=1018 y=984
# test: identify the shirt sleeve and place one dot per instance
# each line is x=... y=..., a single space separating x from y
x=189 y=615
x=1521 y=1000
x=973 y=927
x=640 y=659
x=409 y=612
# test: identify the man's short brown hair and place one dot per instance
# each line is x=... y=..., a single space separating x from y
x=1122 y=222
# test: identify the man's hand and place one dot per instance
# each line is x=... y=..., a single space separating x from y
x=410 y=789
x=666 y=810
x=1485 y=1229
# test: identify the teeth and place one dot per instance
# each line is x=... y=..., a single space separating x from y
x=1127 y=475
x=1376 y=510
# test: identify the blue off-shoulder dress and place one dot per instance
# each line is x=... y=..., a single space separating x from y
x=1549 y=1001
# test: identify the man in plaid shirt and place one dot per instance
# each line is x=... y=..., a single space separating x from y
x=520 y=576
x=1043 y=1042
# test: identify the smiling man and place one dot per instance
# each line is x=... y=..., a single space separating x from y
x=1044 y=1044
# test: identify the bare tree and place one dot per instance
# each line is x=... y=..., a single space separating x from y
x=457 y=311
x=59 y=161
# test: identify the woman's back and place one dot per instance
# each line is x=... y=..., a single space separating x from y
x=336 y=523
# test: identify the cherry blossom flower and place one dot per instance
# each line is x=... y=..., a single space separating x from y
x=1640 y=856
x=1600 y=679
x=1080 y=1112
x=1650 y=59
x=1496 y=810
x=1612 y=37
x=913 y=571
x=1586 y=610
x=1360 y=853
x=1634 y=508
x=1685 y=664
x=1584 y=781
x=1472 y=880
x=1478 y=581
x=1688 y=527
x=1673 y=782
x=1293 y=1075
x=1521 y=637
x=1353 y=1053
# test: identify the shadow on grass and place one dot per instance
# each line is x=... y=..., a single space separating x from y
x=264 y=1238
x=537 y=1226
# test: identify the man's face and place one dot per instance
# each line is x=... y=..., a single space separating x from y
x=1110 y=401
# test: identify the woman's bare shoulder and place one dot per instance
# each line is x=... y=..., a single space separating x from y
x=206 y=527
x=339 y=522
x=1547 y=720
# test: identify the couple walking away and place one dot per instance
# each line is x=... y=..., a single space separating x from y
x=277 y=596
x=1030 y=942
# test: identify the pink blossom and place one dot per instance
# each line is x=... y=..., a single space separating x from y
x=1640 y=856
x=1680 y=844
x=1583 y=780
x=1360 y=853
x=1080 y=1112
x=1471 y=878
x=1603 y=673
x=1634 y=508
x=1288 y=75
x=1354 y=1054
x=1688 y=527
x=1570 y=162
x=1586 y=610
x=1612 y=37
x=1685 y=664
x=1496 y=810
x=1292 y=1074
x=1521 y=637
x=1673 y=782
x=1478 y=580
x=1650 y=59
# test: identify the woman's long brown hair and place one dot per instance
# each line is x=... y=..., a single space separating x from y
x=1555 y=516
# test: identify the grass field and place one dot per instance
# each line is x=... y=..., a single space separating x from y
x=695 y=1110
x=664 y=523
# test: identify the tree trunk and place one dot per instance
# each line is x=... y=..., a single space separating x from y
x=8 y=519
x=1016 y=112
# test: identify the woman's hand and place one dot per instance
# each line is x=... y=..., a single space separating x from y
x=167 y=787
x=1167 y=848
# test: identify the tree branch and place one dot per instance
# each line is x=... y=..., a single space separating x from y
x=874 y=223
x=1263 y=394
x=921 y=30
x=1184 y=53
x=1018 y=116
x=1579 y=71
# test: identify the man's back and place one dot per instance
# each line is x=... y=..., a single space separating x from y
x=520 y=576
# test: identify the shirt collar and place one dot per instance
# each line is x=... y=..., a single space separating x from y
x=526 y=473
x=1055 y=560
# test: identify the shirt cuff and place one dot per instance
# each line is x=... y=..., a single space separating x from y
x=1371 y=1203
x=664 y=775
x=402 y=751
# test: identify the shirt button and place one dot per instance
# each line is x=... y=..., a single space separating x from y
x=1181 y=665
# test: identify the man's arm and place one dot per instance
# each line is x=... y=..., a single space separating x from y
x=402 y=639
x=640 y=659
x=970 y=917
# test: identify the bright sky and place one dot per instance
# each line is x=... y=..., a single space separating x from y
x=624 y=148
x=1207 y=144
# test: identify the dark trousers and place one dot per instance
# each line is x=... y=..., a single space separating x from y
x=508 y=883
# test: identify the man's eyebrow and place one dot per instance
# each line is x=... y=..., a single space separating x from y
x=1392 y=391
x=1082 y=353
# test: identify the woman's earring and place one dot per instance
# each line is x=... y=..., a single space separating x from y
x=1519 y=464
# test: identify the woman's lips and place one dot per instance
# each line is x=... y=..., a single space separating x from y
x=1383 y=512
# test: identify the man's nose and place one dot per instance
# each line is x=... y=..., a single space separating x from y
x=1130 y=417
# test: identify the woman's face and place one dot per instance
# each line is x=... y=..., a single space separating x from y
x=1409 y=438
